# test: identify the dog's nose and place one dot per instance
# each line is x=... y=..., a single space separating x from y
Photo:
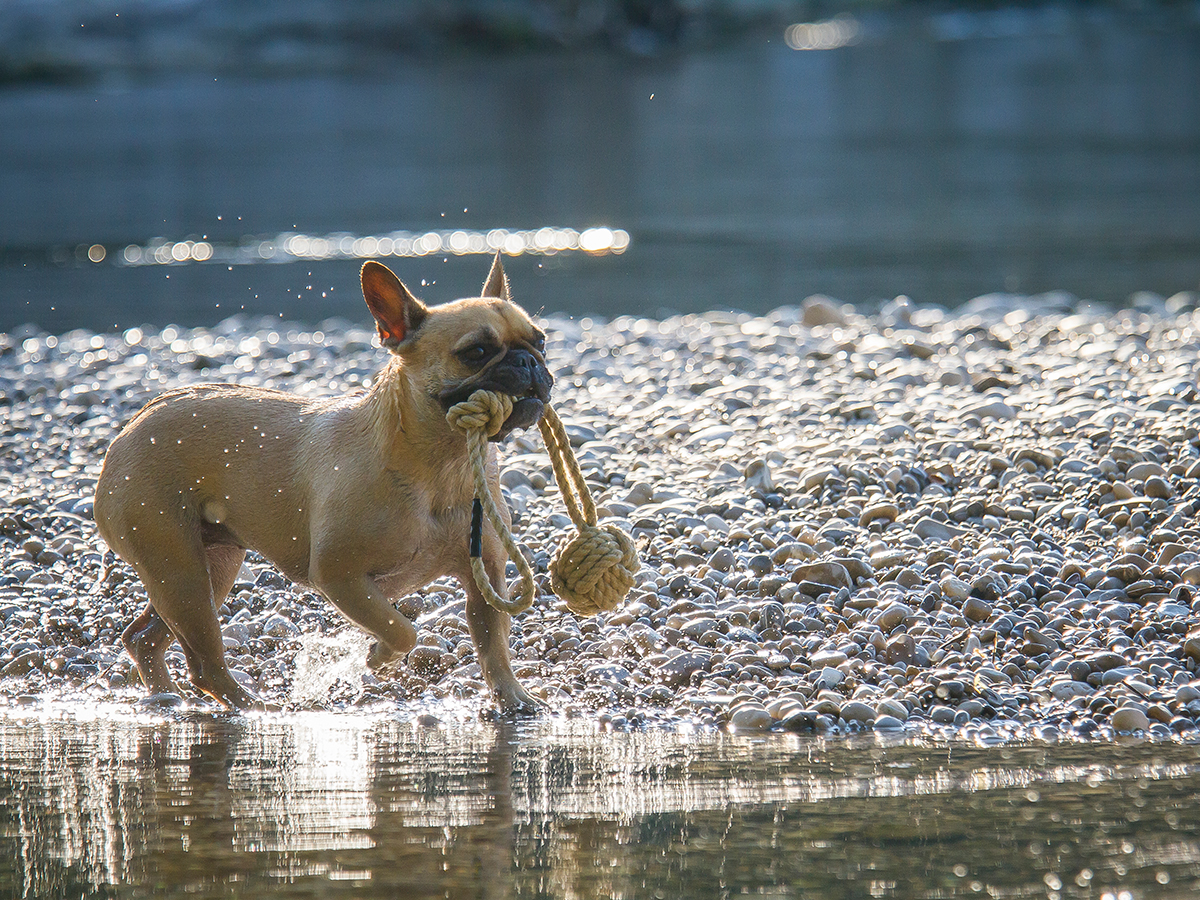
x=522 y=371
x=520 y=358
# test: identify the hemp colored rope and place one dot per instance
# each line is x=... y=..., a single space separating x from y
x=594 y=570
x=480 y=416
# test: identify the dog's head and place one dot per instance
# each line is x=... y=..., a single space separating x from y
x=455 y=349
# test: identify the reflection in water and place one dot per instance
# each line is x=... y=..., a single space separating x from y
x=336 y=805
x=546 y=241
x=833 y=34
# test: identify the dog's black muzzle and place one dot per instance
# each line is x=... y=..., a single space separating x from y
x=522 y=375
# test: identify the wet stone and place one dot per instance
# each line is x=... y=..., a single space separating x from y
x=751 y=717
x=882 y=512
x=932 y=530
x=830 y=574
x=760 y=564
x=827 y=658
x=758 y=477
x=1129 y=719
x=857 y=711
x=1157 y=487
x=819 y=310
x=942 y=715
x=1079 y=670
x=890 y=707
x=802 y=720
x=994 y=409
x=828 y=706
x=161 y=701
x=892 y=616
x=900 y=649
x=955 y=589
x=976 y=610
x=722 y=559
x=829 y=678
x=677 y=670
x=280 y=627
x=431 y=662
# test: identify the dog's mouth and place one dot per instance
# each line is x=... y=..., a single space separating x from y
x=523 y=376
x=526 y=413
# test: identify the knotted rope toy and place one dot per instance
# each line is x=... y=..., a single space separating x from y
x=594 y=570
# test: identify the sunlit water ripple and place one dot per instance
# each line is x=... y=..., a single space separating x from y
x=292 y=247
x=355 y=803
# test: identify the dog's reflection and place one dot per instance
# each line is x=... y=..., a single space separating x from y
x=453 y=825
x=409 y=812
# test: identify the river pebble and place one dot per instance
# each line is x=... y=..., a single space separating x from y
x=857 y=711
x=982 y=519
x=751 y=717
x=1130 y=719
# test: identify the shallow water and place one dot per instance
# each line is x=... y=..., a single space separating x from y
x=939 y=155
x=105 y=804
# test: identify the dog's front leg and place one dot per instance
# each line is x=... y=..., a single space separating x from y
x=489 y=630
x=359 y=599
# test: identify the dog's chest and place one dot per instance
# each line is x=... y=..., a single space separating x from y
x=423 y=547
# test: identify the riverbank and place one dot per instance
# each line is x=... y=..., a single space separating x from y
x=77 y=41
x=978 y=522
x=69 y=41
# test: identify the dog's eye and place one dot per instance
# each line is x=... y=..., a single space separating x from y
x=476 y=353
x=539 y=343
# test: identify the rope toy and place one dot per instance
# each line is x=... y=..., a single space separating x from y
x=594 y=570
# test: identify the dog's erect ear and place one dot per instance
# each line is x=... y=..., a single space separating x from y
x=497 y=282
x=398 y=314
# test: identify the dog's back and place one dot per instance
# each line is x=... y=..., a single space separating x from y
x=187 y=459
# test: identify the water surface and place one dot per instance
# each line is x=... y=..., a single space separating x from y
x=329 y=805
x=940 y=155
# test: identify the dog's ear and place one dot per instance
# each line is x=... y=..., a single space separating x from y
x=398 y=314
x=497 y=282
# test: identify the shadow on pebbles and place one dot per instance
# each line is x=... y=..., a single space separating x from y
x=979 y=522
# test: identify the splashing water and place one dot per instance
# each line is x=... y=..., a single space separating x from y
x=329 y=667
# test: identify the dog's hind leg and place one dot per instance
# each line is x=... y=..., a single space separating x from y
x=147 y=639
x=182 y=594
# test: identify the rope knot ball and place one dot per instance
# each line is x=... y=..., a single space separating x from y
x=595 y=569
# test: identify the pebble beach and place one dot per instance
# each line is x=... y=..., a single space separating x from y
x=977 y=522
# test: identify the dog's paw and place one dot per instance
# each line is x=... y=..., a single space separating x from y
x=516 y=701
x=162 y=701
x=380 y=656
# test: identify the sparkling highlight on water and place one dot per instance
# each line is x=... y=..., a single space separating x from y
x=292 y=246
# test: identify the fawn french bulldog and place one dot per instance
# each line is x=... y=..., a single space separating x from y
x=364 y=498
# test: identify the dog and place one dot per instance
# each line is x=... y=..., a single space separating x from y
x=365 y=498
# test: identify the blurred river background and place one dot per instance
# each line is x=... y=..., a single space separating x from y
x=160 y=161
